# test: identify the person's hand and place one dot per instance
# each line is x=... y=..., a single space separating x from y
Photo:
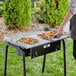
x=60 y=32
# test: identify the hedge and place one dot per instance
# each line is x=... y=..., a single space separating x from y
x=1 y=7
x=17 y=13
x=53 y=11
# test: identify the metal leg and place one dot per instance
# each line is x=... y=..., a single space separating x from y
x=24 y=65
x=64 y=54
x=5 y=66
x=43 y=63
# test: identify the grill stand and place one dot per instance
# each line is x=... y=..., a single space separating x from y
x=5 y=66
x=64 y=55
x=44 y=63
x=24 y=66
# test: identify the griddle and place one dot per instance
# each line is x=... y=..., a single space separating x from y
x=42 y=48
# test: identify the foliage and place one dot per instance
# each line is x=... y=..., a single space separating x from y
x=35 y=12
x=53 y=11
x=17 y=13
x=1 y=7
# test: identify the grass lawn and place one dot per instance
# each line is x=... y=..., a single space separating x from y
x=53 y=67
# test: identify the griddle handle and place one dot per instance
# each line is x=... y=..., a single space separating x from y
x=64 y=54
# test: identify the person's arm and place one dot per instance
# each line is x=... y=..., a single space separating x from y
x=70 y=13
x=67 y=18
x=64 y=22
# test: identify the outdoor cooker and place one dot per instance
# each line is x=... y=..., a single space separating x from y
x=42 y=48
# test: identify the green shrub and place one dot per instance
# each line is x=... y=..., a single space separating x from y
x=35 y=12
x=17 y=13
x=53 y=11
x=1 y=7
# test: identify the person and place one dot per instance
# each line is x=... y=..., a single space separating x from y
x=70 y=16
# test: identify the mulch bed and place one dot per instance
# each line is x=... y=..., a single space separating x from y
x=35 y=25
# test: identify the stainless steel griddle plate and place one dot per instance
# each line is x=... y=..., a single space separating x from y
x=13 y=39
x=18 y=43
x=66 y=35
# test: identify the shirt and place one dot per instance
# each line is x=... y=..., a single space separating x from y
x=73 y=6
x=73 y=20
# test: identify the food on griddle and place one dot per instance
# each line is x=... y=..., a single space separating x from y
x=28 y=40
x=48 y=35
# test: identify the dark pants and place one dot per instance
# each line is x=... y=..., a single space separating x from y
x=74 y=48
x=74 y=42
